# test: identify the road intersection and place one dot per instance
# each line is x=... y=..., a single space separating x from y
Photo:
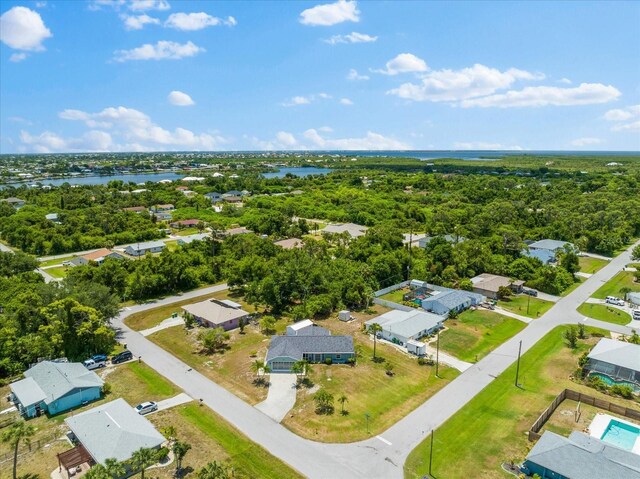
x=381 y=456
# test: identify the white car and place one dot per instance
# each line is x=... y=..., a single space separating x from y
x=90 y=364
x=146 y=407
x=636 y=314
x=614 y=300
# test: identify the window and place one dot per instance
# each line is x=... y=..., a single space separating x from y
x=338 y=356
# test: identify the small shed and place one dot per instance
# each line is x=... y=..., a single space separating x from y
x=416 y=347
x=296 y=329
x=344 y=315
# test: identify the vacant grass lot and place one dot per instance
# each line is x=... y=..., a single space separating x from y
x=231 y=368
x=623 y=279
x=591 y=265
x=475 y=333
x=153 y=317
x=490 y=429
x=395 y=296
x=604 y=313
x=57 y=271
x=570 y=289
x=55 y=262
x=525 y=305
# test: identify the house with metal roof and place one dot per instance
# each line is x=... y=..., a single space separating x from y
x=17 y=203
x=284 y=351
x=217 y=313
x=113 y=430
x=545 y=250
x=352 y=229
x=489 y=284
x=634 y=298
x=579 y=457
x=52 y=387
x=140 y=249
x=98 y=256
x=306 y=328
x=447 y=300
x=400 y=327
x=618 y=360
x=191 y=238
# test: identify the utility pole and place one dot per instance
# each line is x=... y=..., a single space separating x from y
x=437 y=352
x=528 y=301
x=431 y=453
x=409 y=265
x=518 y=364
x=366 y=415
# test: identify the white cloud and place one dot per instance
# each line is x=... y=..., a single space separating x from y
x=585 y=94
x=634 y=126
x=179 y=98
x=456 y=85
x=23 y=29
x=482 y=145
x=353 y=37
x=41 y=4
x=144 y=5
x=354 y=75
x=586 y=141
x=566 y=81
x=17 y=57
x=371 y=141
x=48 y=142
x=618 y=115
x=330 y=14
x=137 y=22
x=133 y=128
x=286 y=138
x=404 y=63
x=305 y=100
x=98 y=4
x=162 y=50
x=346 y=101
x=196 y=21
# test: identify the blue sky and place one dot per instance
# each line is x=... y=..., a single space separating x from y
x=151 y=75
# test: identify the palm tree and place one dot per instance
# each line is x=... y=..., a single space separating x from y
x=343 y=399
x=114 y=468
x=17 y=432
x=142 y=459
x=257 y=365
x=213 y=470
x=180 y=450
x=375 y=328
x=97 y=472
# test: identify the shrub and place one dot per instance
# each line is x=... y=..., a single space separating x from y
x=351 y=361
x=597 y=335
x=622 y=391
x=571 y=337
x=328 y=361
x=106 y=388
x=324 y=402
x=162 y=454
x=597 y=383
x=189 y=320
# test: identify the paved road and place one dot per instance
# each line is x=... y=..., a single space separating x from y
x=382 y=456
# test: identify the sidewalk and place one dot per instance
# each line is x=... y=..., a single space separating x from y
x=504 y=312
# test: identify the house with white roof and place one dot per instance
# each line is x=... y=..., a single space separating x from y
x=618 y=360
x=306 y=328
x=546 y=250
x=217 y=313
x=400 y=327
x=352 y=229
x=140 y=249
x=54 y=387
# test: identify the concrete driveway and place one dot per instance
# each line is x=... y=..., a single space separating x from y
x=281 y=397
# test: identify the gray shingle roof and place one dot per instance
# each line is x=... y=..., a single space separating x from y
x=549 y=244
x=619 y=353
x=454 y=298
x=583 y=457
x=295 y=346
x=114 y=430
x=28 y=392
x=57 y=379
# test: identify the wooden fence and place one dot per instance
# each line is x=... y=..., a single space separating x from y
x=33 y=446
x=585 y=399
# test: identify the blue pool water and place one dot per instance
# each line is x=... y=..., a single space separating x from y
x=621 y=434
x=610 y=382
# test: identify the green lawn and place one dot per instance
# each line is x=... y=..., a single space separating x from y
x=474 y=334
x=395 y=296
x=525 y=305
x=490 y=429
x=571 y=288
x=57 y=271
x=55 y=262
x=171 y=245
x=591 y=265
x=612 y=287
x=187 y=231
x=248 y=459
x=604 y=313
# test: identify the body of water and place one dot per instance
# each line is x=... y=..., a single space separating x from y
x=298 y=171
x=473 y=155
x=103 y=180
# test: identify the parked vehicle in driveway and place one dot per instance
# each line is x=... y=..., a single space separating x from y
x=530 y=292
x=122 y=357
x=614 y=300
x=90 y=364
x=636 y=314
x=99 y=357
x=146 y=407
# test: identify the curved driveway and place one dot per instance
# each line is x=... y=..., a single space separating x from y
x=381 y=456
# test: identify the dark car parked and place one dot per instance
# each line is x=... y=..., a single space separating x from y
x=122 y=357
x=98 y=358
x=530 y=292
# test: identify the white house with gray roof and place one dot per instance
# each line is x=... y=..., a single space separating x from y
x=284 y=351
x=579 y=457
x=402 y=326
x=51 y=387
x=140 y=249
x=617 y=359
x=114 y=430
x=443 y=301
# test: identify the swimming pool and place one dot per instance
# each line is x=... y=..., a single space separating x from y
x=621 y=434
x=610 y=381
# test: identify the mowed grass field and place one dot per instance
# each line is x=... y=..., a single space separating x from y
x=475 y=333
x=591 y=265
x=525 y=305
x=623 y=279
x=604 y=312
x=490 y=429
